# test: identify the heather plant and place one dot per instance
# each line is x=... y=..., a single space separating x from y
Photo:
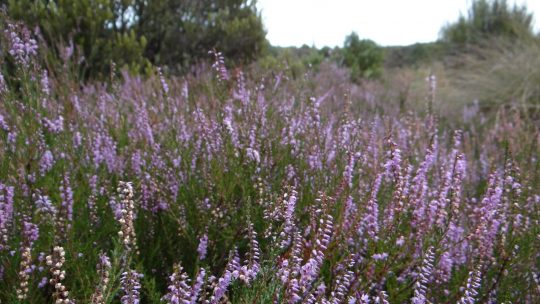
x=232 y=187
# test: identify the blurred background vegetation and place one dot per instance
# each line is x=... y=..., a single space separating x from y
x=488 y=58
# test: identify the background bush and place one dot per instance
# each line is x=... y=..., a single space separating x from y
x=133 y=33
x=364 y=57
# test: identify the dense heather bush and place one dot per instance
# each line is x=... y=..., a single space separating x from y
x=225 y=188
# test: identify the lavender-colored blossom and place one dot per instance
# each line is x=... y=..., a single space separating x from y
x=424 y=278
x=380 y=256
x=203 y=246
x=45 y=85
x=6 y=213
x=66 y=194
x=179 y=291
x=3 y=85
x=219 y=65
x=22 y=47
x=472 y=287
x=164 y=85
x=3 y=124
x=197 y=286
x=221 y=287
x=46 y=163
x=130 y=287
x=30 y=232
x=54 y=126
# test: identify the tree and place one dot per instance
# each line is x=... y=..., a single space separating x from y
x=487 y=19
x=99 y=29
x=180 y=32
x=364 y=57
x=175 y=33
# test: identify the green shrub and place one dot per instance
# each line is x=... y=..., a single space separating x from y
x=364 y=57
x=94 y=26
x=488 y=19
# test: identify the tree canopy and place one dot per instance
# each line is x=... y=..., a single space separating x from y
x=173 y=33
x=364 y=57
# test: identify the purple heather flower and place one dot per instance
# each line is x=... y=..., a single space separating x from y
x=66 y=193
x=22 y=46
x=3 y=85
x=197 y=286
x=6 y=212
x=54 y=126
x=130 y=287
x=46 y=163
x=221 y=287
x=45 y=85
x=43 y=282
x=203 y=246
x=3 y=124
x=164 y=85
x=472 y=287
x=30 y=232
x=219 y=66
x=380 y=256
x=424 y=278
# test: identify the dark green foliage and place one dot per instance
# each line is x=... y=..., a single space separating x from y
x=98 y=29
x=132 y=33
x=488 y=19
x=364 y=57
x=415 y=55
x=181 y=32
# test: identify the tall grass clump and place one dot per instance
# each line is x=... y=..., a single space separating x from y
x=502 y=74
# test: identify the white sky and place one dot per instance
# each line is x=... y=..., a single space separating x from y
x=387 y=22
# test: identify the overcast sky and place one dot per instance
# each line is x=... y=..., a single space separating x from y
x=387 y=22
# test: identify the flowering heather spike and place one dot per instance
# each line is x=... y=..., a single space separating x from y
x=54 y=126
x=6 y=213
x=164 y=85
x=45 y=85
x=127 y=205
x=65 y=213
x=3 y=88
x=179 y=289
x=370 y=223
x=22 y=46
x=290 y=205
x=55 y=261
x=3 y=124
x=219 y=65
x=103 y=270
x=203 y=246
x=197 y=286
x=46 y=163
x=233 y=266
x=342 y=284
x=249 y=271
x=487 y=217
x=349 y=170
x=130 y=287
x=381 y=298
x=424 y=278
x=393 y=162
x=309 y=272
x=44 y=205
x=30 y=234
x=221 y=287
x=471 y=290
